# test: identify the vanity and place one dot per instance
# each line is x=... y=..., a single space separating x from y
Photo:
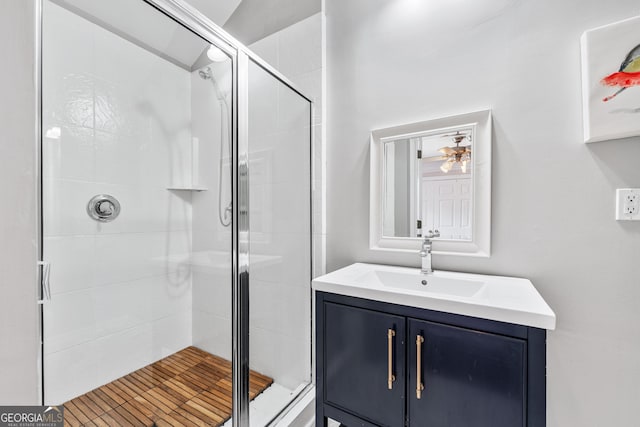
x=419 y=347
x=395 y=347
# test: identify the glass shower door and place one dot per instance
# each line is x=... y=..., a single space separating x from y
x=279 y=186
x=137 y=227
x=176 y=208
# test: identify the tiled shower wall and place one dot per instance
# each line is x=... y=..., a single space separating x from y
x=280 y=233
x=117 y=121
x=280 y=242
x=297 y=52
x=280 y=317
x=281 y=297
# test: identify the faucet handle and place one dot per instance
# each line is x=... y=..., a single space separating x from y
x=431 y=234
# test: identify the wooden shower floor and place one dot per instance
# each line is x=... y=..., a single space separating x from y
x=188 y=388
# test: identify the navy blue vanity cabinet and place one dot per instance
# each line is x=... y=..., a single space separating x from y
x=382 y=364
x=462 y=377
x=366 y=375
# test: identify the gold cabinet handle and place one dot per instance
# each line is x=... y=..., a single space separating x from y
x=390 y=377
x=419 y=385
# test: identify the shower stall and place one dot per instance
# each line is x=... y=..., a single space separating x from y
x=175 y=220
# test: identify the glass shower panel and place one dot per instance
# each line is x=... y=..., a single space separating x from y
x=137 y=119
x=279 y=147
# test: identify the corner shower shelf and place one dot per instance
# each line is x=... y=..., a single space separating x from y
x=187 y=188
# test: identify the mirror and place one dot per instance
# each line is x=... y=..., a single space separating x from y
x=432 y=175
x=427 y=185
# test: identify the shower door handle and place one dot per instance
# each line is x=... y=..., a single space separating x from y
x=45 y=281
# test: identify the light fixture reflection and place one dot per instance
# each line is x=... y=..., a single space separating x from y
x=216 y=54
x=456 y=154
x=53 y=133
x=446 y=166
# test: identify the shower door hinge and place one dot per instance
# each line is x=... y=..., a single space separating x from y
x=45 y=283
x=419 y=152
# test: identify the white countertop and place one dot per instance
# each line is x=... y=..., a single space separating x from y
x=505 y=299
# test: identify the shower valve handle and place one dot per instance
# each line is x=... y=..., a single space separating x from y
x=103 y=208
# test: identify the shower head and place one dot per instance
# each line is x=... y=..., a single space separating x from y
x=205 y=73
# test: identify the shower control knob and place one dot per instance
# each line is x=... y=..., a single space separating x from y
x=103 y=208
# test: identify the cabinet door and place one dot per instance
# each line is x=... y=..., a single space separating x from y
x=470 y=378
x=357 y=354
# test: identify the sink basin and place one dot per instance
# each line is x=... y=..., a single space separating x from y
x=505 y=299
x=433 y=283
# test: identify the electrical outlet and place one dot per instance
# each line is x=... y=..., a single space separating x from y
x=628 y=204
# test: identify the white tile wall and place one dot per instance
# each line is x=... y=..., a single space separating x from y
x=119 y=123
x=297 y=52
x=279 y=194
x=280 y=244
x=212 y=333
x=280 y=292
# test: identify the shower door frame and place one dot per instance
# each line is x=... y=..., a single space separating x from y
x=190 y=18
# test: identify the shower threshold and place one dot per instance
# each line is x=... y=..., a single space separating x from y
x=188 y=388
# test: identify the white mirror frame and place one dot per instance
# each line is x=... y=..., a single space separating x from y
x=480 y=244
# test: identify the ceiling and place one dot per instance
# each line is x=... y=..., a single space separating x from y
x=159 y=34
x=246 y=20
x=255 y=19
x=218 y=11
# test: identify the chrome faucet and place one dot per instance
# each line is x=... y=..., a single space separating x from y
x=425 y=252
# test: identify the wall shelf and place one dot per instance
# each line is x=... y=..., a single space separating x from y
x=187 y=188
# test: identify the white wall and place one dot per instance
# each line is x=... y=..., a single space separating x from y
x=553 y=196
x=117 y=121
x=18 y=251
